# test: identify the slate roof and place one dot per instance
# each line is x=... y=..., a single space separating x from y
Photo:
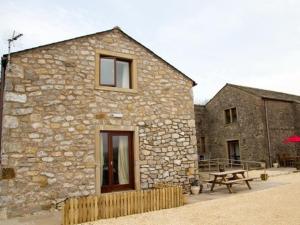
x=267 y=94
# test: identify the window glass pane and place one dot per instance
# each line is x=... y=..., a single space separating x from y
x=123 y=79
x=233 y=114
x=104 y=159
x=237 y=151
x=234 y=151
x=227 y=116
x=107 y=76
x=203 y=144
x=120 y=160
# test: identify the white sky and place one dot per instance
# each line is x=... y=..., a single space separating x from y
x=254 y=43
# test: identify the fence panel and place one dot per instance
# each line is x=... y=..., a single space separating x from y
x=91 y=208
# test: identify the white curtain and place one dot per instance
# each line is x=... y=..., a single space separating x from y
x=125 y=76
x=101 y=159
x=123 y=167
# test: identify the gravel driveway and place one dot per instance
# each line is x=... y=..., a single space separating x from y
x=278 y=205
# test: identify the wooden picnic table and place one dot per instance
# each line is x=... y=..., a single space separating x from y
x=288 y=160
x=229 y=178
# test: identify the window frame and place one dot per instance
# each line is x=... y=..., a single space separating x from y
x=123 y=57
x=230 y=116
x=231 y=113
x=115 y=59
x=226 y=116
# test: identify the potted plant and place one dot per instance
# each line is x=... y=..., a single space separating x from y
x=264 y=176
x=297 y=164
x=195 y=187
x=221 y=168
x=276 y=164
x=262 y=163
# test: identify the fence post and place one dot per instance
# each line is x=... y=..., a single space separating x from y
x=63 y=215
x=66 y=212
x=71 y=212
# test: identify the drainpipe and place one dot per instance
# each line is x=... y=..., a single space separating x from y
x=3 y=68
x=268 y=132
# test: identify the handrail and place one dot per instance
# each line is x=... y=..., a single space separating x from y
x=217 y=162
x=226 y=159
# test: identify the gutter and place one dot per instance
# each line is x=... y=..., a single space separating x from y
x=268 y=132
x=4 y=61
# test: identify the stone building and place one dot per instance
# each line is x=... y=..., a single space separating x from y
x=201 y=131
x=92 y=114
x=248 y=124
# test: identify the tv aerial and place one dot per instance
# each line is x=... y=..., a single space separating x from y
x=13 y=38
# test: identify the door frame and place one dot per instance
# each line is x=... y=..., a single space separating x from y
x=135 y=145
x=111 y=187
x=228 y=148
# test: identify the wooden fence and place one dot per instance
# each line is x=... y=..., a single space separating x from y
x=85 y=209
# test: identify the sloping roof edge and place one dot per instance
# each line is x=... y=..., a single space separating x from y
x=268 y=93
x=107 y=31
x=244 y=89
x=217 y=94
x=241 y=89
x=210 y=100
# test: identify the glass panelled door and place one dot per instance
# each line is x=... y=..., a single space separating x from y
x=116 y=161
x=234 y=151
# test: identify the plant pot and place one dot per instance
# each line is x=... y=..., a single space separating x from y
x=264 y=176
x=195 y=190
x=221 y=168
x=262 y=164
x=275 y=165
x=297 y=165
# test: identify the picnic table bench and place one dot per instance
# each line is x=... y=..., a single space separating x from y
x=229 y=178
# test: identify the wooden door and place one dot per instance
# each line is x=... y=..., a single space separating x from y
x=116 y=161
x=234 y=151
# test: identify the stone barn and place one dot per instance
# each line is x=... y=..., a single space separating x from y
x=244 y=123
x=93 y=114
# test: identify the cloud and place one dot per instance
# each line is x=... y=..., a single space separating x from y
x=254 y=43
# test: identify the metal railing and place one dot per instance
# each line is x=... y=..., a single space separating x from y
x=216 y=164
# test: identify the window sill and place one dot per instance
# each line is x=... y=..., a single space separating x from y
x=231 y=123
x=116 y=89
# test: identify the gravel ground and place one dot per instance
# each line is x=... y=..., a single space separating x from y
x=276 y=206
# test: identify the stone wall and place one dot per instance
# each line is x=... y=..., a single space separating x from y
x=297 y=124
x=52 y=110
x=166 y=151
x=202 y=125
x=249 y=129
x=282 y=124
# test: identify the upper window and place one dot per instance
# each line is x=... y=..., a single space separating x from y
x=115 y=72
x=227 y=116
x=230 y=115
x=233 y=115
